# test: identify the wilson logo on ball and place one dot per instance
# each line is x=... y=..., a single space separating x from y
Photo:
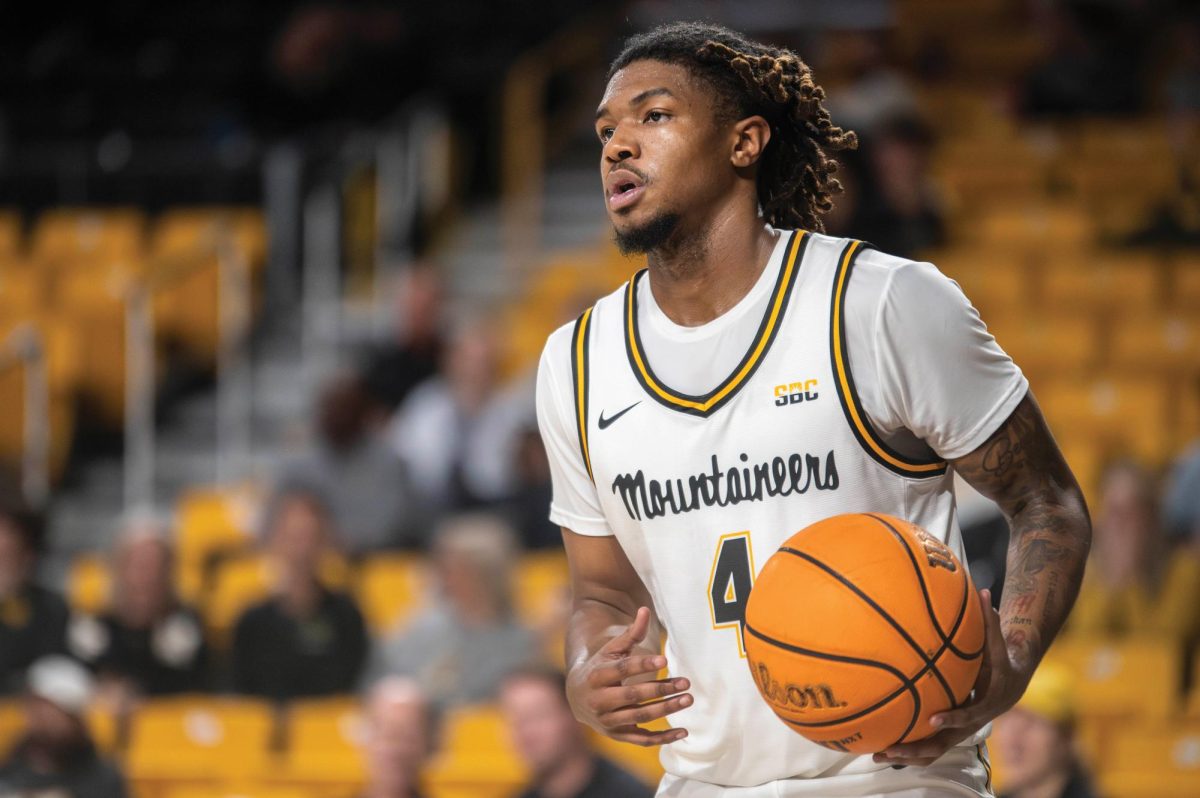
x=796 y=696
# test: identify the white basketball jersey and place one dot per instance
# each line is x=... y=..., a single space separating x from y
x=701 y=490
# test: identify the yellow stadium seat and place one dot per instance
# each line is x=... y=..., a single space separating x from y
x=247 y=790
x=1050 y=344
x=1165 y=343
x=476 y=757
x=542 y=586
x=212 y=523
x=1112 y=286
x=1086 y=460
x=89 y=584
x=182 y=230
x=12 y=723
x=88 y=237
x=1123 y=416
x=997 y=285
x=200 y=738
x=1054 y=227
x=390 y=588
x=1122 y=680
x=10 y=234
x=22 y=288
x=1153 y=761
x=1185 y=286
x=325 y=740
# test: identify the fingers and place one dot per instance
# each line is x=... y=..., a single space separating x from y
x=644 y=713
x=607 y=699
x=922 y=752
x=633 y=634
x=621 y=669
x=632 y=734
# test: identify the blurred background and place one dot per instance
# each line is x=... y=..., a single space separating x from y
x=274 y=277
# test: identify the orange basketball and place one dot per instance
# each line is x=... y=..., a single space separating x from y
x=860 y=628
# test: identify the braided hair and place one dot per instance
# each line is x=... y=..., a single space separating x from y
x=795 y=177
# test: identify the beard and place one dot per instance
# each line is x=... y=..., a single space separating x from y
x=650 y=235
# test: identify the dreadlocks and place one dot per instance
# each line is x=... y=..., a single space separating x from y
x=795 y=177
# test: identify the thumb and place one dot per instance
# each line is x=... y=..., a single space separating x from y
x=633 y=634
x=993 y=634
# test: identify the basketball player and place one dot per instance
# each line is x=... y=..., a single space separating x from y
x=757 y=377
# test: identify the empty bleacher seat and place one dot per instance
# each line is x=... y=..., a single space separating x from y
x=476 y=758
x=200 y=738
x=1153 y=761
x=212 y=523
x=325 y=740
x=389 y=588
x=1122 y=415
x=88 y=237
x=1122 y=680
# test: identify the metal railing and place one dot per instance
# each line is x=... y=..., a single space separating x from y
x=234 y=401
x=24 y=347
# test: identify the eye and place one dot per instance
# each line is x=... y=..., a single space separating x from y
x=605 y=134
x=656 y=116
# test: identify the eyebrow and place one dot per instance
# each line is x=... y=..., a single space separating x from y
x=639 y=98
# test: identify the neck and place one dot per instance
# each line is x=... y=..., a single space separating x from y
x=569 y=777
x=695 y=278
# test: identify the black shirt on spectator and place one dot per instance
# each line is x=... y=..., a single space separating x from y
x=81 y=774
x=33 y=624
x=168 y=657
x=280 y=657
x=607 y=781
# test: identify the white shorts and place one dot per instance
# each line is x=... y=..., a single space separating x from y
x=963 y=772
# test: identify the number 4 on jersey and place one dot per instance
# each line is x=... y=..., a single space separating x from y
x=730 y=583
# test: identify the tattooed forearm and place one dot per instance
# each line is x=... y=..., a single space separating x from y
x=1022 y=470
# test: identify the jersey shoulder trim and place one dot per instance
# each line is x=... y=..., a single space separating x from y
x=717 y=398
x=864 y=432
x=579 y=381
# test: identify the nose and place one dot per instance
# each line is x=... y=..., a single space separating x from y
x=620 y=146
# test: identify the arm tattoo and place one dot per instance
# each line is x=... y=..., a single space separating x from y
x=1021 y=469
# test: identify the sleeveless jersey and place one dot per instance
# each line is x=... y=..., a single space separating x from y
x=701 y=490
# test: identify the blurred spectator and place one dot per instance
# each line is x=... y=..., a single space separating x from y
x=527 y=509
x=1093 y=63
x=412 y=356
x=305 y=640
x=457 y=432
x=898 y=209
x=460 y=648
x=148 y=643
x=400 y=738
x=56 y=755
x=1035 y=741
x=877 y=90
x=33 y=620
x=1182 y=504
x=1134 y=584
x=552 y=742
x=356 y=472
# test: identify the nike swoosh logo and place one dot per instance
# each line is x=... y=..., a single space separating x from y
x=605 y=422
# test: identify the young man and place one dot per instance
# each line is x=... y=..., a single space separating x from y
x=756 y=378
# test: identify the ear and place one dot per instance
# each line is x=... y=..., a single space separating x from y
x=750 y=138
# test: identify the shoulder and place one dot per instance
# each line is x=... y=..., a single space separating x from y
x=884 y=286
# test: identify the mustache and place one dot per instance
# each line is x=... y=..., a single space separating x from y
x=645 y=178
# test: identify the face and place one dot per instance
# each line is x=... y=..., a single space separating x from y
x=399 y=741
x=15 y=558
x=48 y=725
x=1032 y=748
x=143 y=581
x=298 y=534
x=540 y=723
x=665 y=154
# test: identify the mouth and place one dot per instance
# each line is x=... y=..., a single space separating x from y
x=623 y=188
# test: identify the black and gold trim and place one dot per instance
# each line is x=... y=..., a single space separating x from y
x=579 y=379
x=851 y=406
x=715 y=399
x=982 y=752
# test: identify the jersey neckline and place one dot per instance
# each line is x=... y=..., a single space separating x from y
x=712 y=401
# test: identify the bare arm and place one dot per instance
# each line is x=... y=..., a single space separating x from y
x=1021 y=469
x=610 y=664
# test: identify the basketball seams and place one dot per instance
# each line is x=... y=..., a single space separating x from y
x=948 y=641
x=874 y=605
